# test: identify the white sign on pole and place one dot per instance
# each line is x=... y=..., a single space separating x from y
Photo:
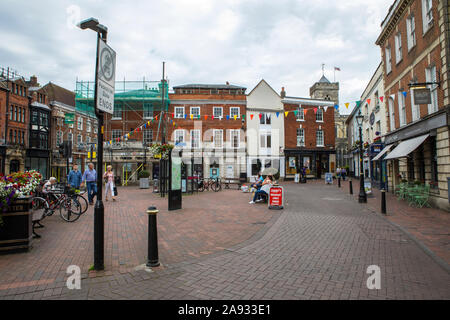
x=106 y=77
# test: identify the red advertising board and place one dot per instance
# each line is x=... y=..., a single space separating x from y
x=276 y=198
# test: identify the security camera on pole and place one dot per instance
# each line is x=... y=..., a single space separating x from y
x=105 y=73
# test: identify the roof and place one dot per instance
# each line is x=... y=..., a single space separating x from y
x=40 y=105
x=60 y=94
x=259 y=83
x=208 y=86
x=324 y=80
x=308 y=101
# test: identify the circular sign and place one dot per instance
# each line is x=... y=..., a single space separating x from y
x=372 y=118
x=107 y=64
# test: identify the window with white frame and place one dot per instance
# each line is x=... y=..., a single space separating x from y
x=148 y=136
x=116 y=134
x=218 y=112
x=235 y=111
x=234 y=138
x=88 y=139
x=391 y=114
x=430 y=75
x=427 y=14
x=300 y=137
x=218 y=138
x=319 y=138
x=319 y=115
x=265 y=118
x=265 y=139
x=148 y=111
x=195 y=138
x=398 y=47
x=300 y=114
x=388 y=59
x=70 y=137
x=195 y=112
x=411 y=32
x=179 y=136
x=401 y=108
x=88 y=125
x=80 y=123
x=117 y=112
x=415 y=108
x=79 y=139
x=179 y=112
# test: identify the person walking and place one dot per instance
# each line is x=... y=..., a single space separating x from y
x=90 y=179
x=74 y=179
x=108 y=176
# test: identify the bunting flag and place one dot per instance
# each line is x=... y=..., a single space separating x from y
x=192 y=116
x=325 y=108
x=315 y=110
x=173 y=115
x=212 y=117
x=228 y=117
x=185 y=116
x=304 y=112
x=381 y=99
x=295 y=113
x=405 y=93
x=347 y=104
x=336 y=106
x=243 y=117
x=156 y=118
x=251 y=116
x=286 y=114
x=358 y=103
x=278 y=114
x=198 y=117
x=393 y=97
x=368 y=101
x=174 y=123
x=260 y=116
x=206 y=117
x=235 y=116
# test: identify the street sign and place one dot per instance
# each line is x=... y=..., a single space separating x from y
x=69 y=118
x=106 y=77
x=276 y=198
x=422 y=96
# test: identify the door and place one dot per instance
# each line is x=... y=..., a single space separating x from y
x=14 y=166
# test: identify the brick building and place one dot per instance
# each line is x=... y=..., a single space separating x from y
x=414 y=49
x=208 y=120
x=14 y=121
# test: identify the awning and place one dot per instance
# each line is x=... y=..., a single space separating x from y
x=382 y=152
x=406 y=147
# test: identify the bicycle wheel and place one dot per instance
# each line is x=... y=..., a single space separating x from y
x=70 y=210
x=215 y=186
x=83 y=202
x=39 y=207
x=201 y=186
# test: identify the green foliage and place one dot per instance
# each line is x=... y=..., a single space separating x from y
x=144 y=174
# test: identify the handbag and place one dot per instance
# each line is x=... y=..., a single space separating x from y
x=115 y=191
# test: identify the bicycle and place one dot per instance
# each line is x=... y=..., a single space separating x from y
x=78 y=195
x=69 y=207
x=205 y=184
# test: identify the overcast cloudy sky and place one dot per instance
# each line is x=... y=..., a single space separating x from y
x=202 y=41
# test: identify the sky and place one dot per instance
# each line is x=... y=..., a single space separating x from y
x=284 y=42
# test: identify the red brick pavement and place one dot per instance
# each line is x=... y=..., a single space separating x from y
x=209 y=222
x=429 y=225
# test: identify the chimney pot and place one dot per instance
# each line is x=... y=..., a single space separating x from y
x=283 y=93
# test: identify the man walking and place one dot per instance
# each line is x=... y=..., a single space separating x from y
x=90 y=178
x=74 y=179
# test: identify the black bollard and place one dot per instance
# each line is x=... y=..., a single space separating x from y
x=383 y=201
x=339 y=182
x=153 y=260
x=351 y=186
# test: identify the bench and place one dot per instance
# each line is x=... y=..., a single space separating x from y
x=237 y=181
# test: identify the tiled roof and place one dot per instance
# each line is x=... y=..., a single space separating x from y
x=60 y=94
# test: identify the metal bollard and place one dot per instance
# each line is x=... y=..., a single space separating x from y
x=153 y=260
x=339 y=182
x=383 y=201
x=351 y=186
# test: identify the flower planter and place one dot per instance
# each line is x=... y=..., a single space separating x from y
x=16 y=233
x=144 y=183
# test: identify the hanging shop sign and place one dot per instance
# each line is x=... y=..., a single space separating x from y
x=422 y=96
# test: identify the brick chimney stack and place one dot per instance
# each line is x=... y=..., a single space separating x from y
x=282 y=93
x=33 y=81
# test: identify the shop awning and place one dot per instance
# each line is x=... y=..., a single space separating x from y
x=382 y=152
x=406 y=147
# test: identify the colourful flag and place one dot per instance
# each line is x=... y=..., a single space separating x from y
x=228 y=117
x=235 y=116
x=206 y=117
x=381 y=98
x=368 y=101
x=405 y=93
x=347 y=104
x=286 y=113
x=251 y=116
x=278 y=114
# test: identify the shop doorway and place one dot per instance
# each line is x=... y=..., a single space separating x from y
x=14 y=166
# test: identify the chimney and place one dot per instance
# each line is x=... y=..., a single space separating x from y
x=228 y=83
x=282 y=93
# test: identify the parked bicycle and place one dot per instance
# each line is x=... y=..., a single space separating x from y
x=70 y=209
x=205 y=184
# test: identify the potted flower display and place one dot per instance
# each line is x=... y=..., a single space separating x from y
x=15 y=210
x=161 y=150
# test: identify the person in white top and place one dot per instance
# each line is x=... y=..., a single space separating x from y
x=267 y=183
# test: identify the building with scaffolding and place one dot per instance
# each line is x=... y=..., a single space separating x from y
x=136 y=123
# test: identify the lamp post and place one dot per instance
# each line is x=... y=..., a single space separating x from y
x=99 y=209
x=362 y=198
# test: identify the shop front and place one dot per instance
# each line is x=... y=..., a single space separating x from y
x=2 y=159
x=316 y=163
x=420 y=155
x=38 y=160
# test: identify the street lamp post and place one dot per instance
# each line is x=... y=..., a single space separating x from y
x=362 y=198
x=99 y=209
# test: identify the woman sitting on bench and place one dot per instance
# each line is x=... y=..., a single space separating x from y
x=264 y=191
